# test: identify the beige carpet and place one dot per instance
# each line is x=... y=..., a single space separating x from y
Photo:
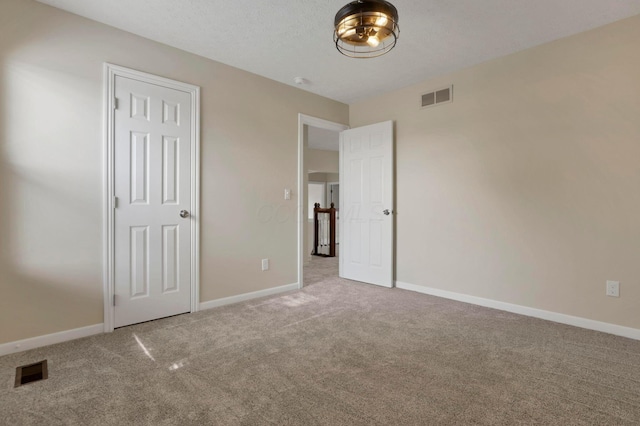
x=336 y=353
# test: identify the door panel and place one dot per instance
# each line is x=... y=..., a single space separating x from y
x=170 y=258
x=152 y=185
x=139 y=167
x=139 y=253
x=367 y=170
x=170 y=169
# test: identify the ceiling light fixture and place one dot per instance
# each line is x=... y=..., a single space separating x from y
x=366 y=28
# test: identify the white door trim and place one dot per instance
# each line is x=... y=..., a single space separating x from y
x=110 y=73
x=302 y=221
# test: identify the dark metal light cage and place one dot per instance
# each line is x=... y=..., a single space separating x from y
x=366 y=28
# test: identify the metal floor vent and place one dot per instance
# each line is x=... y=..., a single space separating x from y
x=31 y=373
x=437 y=97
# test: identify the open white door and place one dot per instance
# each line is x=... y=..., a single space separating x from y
x=366 y=218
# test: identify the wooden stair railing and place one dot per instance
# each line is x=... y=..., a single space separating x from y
x=324 y=231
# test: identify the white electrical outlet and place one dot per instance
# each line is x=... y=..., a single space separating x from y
x=265 y=264
x=287 y=194
x=613 y=288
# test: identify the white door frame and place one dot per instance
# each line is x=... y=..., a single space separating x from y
x=307 y=120
x=110 y=73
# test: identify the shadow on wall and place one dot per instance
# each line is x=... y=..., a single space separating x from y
x=50 y=232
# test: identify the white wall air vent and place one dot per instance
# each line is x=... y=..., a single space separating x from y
x=437 y=97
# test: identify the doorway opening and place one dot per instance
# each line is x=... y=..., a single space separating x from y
x=365 y=196
x=318 y=188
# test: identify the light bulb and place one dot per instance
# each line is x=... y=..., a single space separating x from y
x=381 y=21
x=344 y=32
x=373 y=41
x=349 y=33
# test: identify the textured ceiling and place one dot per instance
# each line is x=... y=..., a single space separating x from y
x=282 y=40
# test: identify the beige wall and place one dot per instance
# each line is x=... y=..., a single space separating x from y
x=525 y=189
x=51 y=162
x=322 y=161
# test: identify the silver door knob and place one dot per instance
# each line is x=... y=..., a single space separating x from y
x=184 y=213
x=386 y=212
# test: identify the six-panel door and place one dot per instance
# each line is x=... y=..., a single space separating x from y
x=366 y=214
x=152 y=185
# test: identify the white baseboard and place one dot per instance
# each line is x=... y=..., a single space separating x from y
x=619 y=330
x=247 y=296
x=50 y=339
x=64 y=336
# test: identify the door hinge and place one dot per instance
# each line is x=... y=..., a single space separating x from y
x=115 y=103
x=114 y=300
x=115 y=202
